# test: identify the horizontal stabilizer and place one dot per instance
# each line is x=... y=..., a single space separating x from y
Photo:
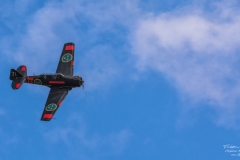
x=17 y=83
x=22 y=70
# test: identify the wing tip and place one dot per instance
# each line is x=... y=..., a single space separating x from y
x=44 y=119
x=69 y=46
x=69 y=43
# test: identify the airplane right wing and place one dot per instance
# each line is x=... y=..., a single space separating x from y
x=66 y=61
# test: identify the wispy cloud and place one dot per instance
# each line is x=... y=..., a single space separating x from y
x=110 y=144
x=195 y=50
x=39 y=43
x=197 y=53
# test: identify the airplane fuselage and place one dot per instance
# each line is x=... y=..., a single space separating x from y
x=55 y=80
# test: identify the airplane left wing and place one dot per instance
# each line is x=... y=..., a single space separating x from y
x=55 y=98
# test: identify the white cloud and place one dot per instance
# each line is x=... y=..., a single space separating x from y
x=99 y=69
x=42 y=35
x=110 y=144
x=197 y=53
x=41 y=38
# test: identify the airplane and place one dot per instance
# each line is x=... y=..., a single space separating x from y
x=59 y=83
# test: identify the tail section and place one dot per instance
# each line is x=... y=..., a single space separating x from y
x=18 y=76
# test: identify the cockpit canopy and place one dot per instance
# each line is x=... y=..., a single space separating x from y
x=52 y=74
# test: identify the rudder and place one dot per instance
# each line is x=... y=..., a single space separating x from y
x=14 y=74
x=18 y=76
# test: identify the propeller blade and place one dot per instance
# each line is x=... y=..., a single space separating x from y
x=83 y=85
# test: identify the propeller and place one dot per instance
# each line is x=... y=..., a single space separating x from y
x=83 y=85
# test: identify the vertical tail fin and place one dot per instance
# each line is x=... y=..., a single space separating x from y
x=18 y=76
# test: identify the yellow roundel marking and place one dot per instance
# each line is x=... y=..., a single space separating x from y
x=37 y=81
x=51 y=107
x=67 y=57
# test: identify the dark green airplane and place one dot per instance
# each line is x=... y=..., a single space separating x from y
x=59 y=83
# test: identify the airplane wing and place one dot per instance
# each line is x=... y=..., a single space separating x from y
x=55 y=98
x=66 y=61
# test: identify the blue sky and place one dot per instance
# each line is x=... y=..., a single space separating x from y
x=161 y=79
